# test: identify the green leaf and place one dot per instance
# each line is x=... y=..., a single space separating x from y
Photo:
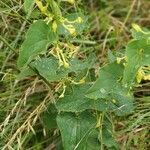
x=49 y=117
x=49 y=69
x=79 y=27
x=107 y=82
x=120 y=104
x=77 y=65
x=78 y=131
x=28 y=4
x=80 y=68
x=138 y=55
x=111 y=57
x=108 y=86
x=25 y=72
x=75 y=100
x=38 y=38
x=107 y=134
x=141 y=34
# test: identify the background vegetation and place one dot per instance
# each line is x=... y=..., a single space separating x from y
x=23 y=104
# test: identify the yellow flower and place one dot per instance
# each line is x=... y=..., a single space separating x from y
x=79 y=20
x=41 y=7
x=146 y=77
x=136 y=27
x=70 y=28
x=140 y=75
x=114 y=101
x=119 y=59
x=54 y=26
x=70 y=1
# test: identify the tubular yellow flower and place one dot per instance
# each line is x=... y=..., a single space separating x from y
x=70 y=28
x=58 y=56
x=114 y=101
x=54 y=26
x=62 y=94
x=136 y=27
x=42 y=8
x=147 y=77
x=119 y=59
x=140 y=75
x=61 y=58
x=79 y=20
x=65 y=63
x=70 y=1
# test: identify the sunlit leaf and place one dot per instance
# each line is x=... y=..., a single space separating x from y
x=49 y=69
x=38 y=38
x=107 y=82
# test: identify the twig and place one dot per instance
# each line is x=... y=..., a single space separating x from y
x=128 y=15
